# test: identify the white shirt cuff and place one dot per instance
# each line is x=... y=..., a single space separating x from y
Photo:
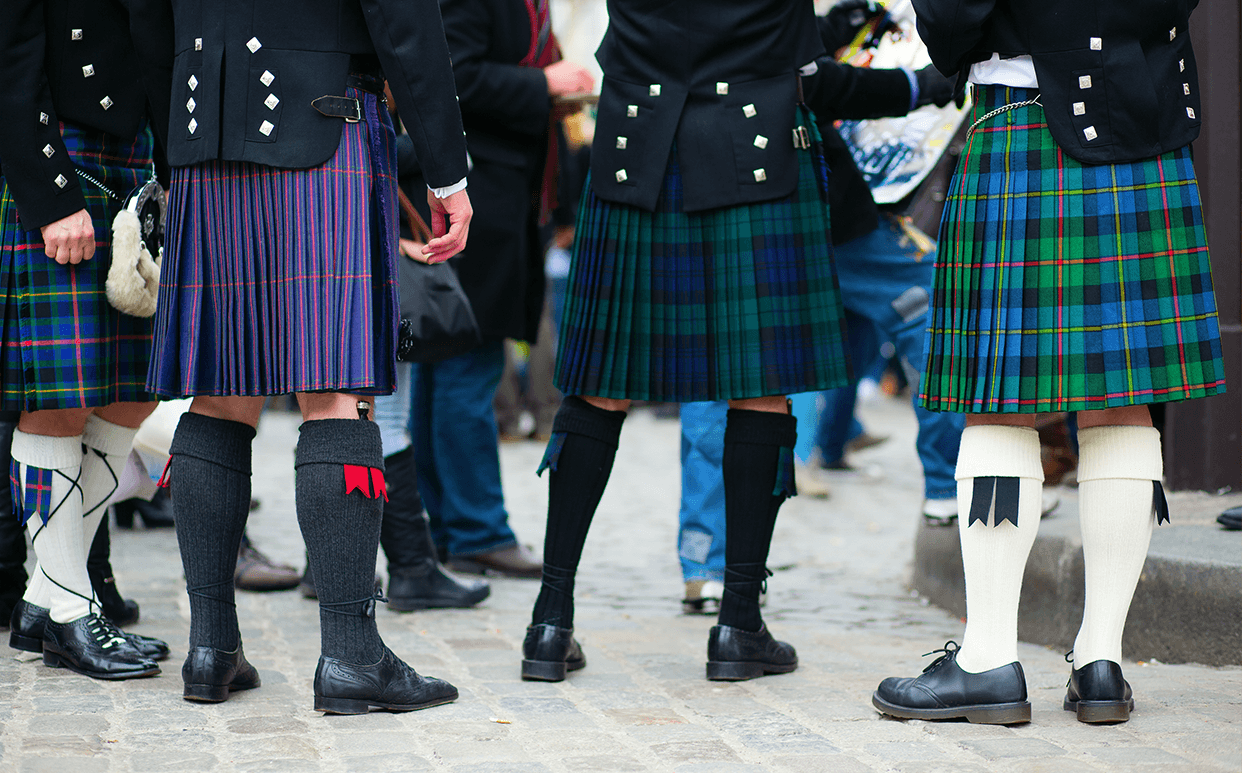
x=808 y=69
x=448 y=190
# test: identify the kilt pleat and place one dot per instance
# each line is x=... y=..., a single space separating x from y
x=1062 y=286
x=282 y=280
x=731 y=303
x=62 y=345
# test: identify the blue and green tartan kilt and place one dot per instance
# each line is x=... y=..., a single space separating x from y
x=732 y=303
x=62 y=345
x=1062 y=286
x=283 y=280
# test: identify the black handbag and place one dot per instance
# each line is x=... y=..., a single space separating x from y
x=437 y=321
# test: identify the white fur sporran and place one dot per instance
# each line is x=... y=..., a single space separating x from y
x=133 y=284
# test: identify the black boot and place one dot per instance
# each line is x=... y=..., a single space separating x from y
x=120 y=611
x=12 y=537
x=416 y=579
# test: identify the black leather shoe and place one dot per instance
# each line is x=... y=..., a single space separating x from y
x=26 y=633
x=26 y=627
x=1099 y=694
x=549 y=652
x=348 y=688
x=211 y=674
x=945 y=691
x=94 y=647
x=430 y=586
x=734 y=655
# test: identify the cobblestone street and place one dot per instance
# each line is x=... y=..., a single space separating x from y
x=839 y=594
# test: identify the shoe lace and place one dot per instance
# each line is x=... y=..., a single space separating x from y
x=949 y=649
x=105 y=632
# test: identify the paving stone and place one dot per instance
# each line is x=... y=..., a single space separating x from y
x=171 y=761
x=61 y=764
x=694 y=751
x=894 y=751
x=386 y=763
x=813 y=763
x=61 y=745
x=1133 y=755
x=604 y=763
x=1000 y=749
x=502 y=767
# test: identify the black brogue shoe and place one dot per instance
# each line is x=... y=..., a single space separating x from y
x=348 y=688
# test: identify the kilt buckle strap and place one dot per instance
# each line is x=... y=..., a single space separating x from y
x=1002 y=109
x=339 y=107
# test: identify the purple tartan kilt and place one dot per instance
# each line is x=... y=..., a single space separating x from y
x=282 y=280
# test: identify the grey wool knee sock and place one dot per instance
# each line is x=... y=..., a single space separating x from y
x=209 y=478
x=340 y=501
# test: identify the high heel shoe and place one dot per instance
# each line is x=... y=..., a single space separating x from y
x=155 y=514
x=121 y=611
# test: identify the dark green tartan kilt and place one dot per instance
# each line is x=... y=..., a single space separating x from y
x=62 y=345
x=1065 y=287
x=732 y=303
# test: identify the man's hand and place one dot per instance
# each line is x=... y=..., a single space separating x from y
x=412 y=249
x=565 y=77
x=70 y=239
x=450 y=225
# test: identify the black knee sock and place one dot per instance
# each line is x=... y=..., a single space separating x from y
x=758 y=476
x=209 y=478
x=579 y=461
x=340 y=501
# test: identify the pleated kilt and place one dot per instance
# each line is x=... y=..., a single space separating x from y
x=282 y=280
x=731 y=303
x=62 y=345
x=1065 y=287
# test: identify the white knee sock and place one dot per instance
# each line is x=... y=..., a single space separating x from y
x=58 y=544
x=994 y=553
x=1116 y=467
x=107 y=448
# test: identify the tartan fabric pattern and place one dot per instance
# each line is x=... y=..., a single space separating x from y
x=731 y=303
x=1064 y=287
x=62 y=345
x=35 y=496
x=283 y=280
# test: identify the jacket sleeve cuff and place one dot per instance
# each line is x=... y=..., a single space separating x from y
x=448 y=190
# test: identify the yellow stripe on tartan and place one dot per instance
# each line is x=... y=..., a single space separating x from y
x=1121 y=279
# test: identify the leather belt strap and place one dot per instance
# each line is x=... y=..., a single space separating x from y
x=339 y=107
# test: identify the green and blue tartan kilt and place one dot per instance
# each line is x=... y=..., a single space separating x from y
x=1065 y=287
x=732 y=303
x=62 y=345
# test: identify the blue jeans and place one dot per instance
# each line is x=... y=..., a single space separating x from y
x=889 y=284
x=453 y=428
x=701 y=540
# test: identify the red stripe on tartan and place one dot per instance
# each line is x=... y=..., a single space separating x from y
x=1168 y=233
x=1010 y=127
x=1082 y=261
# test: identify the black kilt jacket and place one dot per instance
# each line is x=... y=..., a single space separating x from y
x=720 y=80
x=245 y=73
x=1117 y=77
x=506 y=110
x=75 y=61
